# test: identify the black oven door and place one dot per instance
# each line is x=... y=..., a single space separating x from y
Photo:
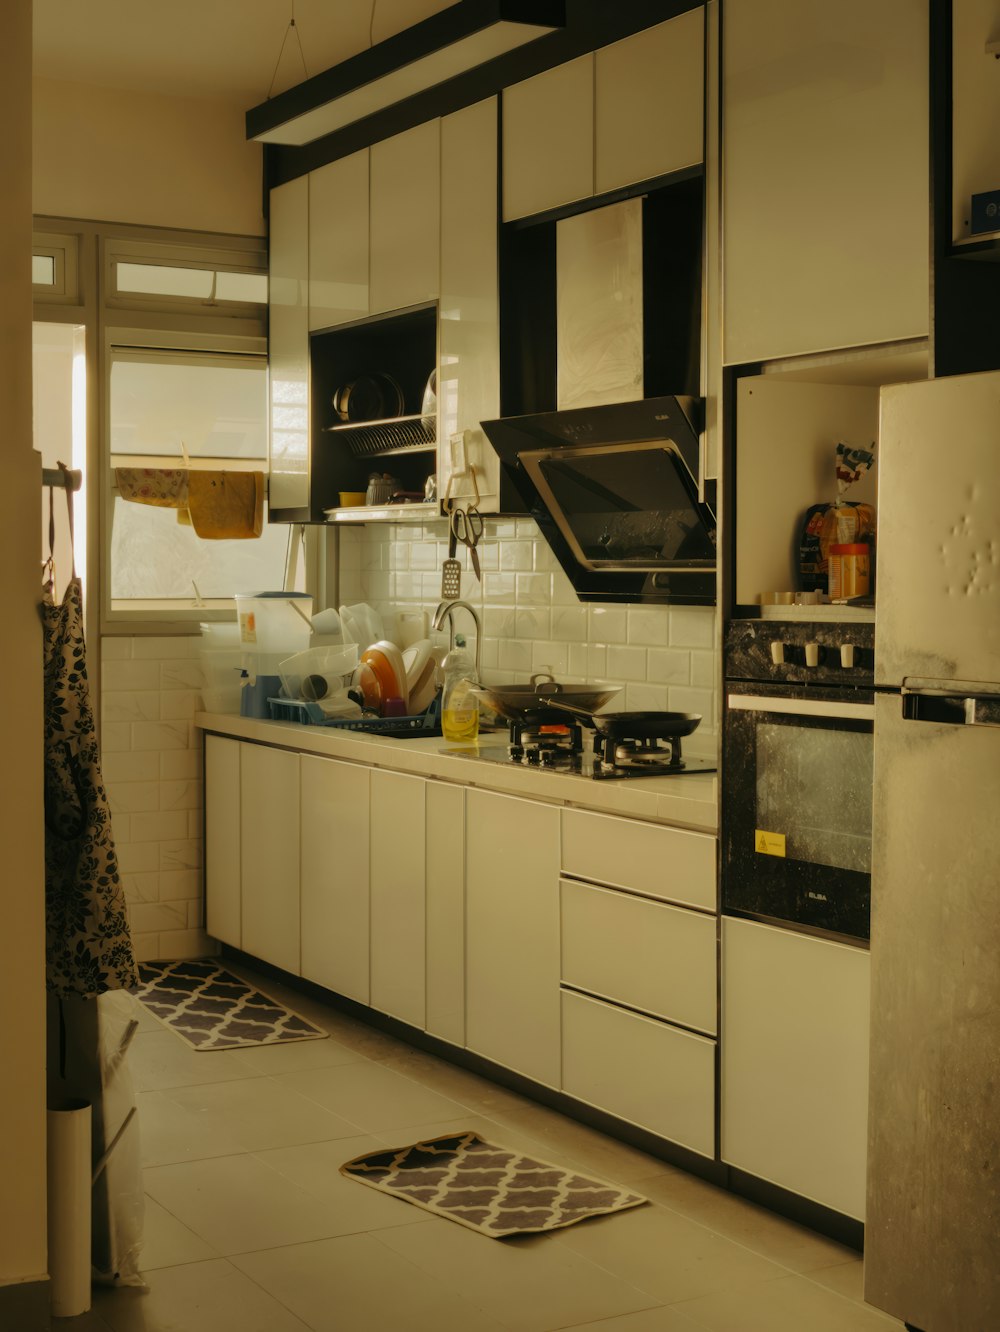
x=797 y=807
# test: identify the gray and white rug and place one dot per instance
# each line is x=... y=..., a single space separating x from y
x=491 y=1189
x=212 y=1009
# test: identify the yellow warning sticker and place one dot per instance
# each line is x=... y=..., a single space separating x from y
x=768 y=843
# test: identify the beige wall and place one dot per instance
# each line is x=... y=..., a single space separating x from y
x=22 y=978
x=110 y=155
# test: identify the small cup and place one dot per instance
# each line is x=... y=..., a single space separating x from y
x=393 y=707
x=350 y=499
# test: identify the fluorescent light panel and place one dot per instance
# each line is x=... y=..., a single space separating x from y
x=416 y=77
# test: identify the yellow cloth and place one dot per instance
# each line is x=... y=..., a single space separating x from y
x=226 y=505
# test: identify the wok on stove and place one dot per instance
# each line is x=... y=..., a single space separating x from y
x=618 y=726
x=535 y=703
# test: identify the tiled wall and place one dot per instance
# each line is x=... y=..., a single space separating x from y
x=151 y=758
x=664 y=658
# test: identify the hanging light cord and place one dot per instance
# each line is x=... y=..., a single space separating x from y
x=292 y=28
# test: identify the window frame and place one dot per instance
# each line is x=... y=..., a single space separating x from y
x=64 y=251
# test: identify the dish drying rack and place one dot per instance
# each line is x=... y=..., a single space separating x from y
x=426 y=724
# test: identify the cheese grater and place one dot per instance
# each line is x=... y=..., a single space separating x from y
x=451 y=570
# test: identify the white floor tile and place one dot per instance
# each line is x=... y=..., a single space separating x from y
x=167 y=1242
x=294 y=1056
x=794 y=1304
x=316 y=1168
x=660 y=1319
x=530 y=1284
x=170 y=1132
x=198 y=1297
x=161 y=1059
x=258 y=1113
x=238 y=1204
x=371 y=1096
x=354 y=1284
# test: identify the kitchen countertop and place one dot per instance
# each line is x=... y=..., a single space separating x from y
x=687 y=800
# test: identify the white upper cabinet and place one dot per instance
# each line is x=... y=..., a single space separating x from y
x=825 y=175
x=469 y=373
x=648 y=101
x=548 y=139
x=338 y=242
x=288 y=344
x=405 y=223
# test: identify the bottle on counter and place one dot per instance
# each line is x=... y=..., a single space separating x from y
x=459 y=701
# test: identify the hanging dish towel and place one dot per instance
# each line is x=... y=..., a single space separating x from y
x=164 y=487
x=87 y=938
x=226 y=505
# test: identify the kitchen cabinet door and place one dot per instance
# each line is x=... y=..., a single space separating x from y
x=647 y=858
x=648 y=103
x=825 y=174
x=405 y=224
x=548 y=139
x=445 y=861
x=512 y=933
x=288 y=345
x=222 y=839
x=334 y=875
x=645 y=1072
x=469 y=371
x=338 y=241
x=269 y=830
x=795 y=1062
x=398 y=910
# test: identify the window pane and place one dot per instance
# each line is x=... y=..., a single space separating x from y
x=164 y=280
x=217 y=409
x=43 y=270
x=251 y=288
x=155 y=556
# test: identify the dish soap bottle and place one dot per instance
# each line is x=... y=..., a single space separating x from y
x=459 y=702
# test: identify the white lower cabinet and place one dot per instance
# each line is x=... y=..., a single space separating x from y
x=223 y=909
x=646 y=1072
x=795 y=1062
x=334 y=875
x=512 y=933
x=269 y=833
x=445 y=901
x=397 y=883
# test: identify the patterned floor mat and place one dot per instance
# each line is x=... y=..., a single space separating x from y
x=491 y=1189
x=214 y=1010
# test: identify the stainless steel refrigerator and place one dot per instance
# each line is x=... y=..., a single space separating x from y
x=932 y=1243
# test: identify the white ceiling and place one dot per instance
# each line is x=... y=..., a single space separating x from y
x=225 y=49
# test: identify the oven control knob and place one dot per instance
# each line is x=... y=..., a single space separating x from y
x=778 y=654
x=812 y=654
x=847 y=655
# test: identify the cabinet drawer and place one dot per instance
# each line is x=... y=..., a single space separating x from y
x=643 y=1071
x=644 y=954
x=669 y=863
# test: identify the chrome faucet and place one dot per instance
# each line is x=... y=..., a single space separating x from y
x=444 y=612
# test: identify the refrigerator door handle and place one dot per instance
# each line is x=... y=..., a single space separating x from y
x=952 y=709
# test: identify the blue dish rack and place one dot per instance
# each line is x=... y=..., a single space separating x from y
x=426 y=724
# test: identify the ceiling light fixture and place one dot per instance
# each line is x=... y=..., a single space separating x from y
x=458 y=39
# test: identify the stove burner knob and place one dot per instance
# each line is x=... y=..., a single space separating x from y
x=778 y=654
x=812 y=654
x=531 y=754
x=547 y=758
x=847 y=655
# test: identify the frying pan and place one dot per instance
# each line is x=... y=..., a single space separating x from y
x=534 y=702
x=632 y=725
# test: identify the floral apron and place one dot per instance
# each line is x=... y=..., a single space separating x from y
x=87 y=939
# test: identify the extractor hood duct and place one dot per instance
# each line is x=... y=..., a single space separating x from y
x=614 y=491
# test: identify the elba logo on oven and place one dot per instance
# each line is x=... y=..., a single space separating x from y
x=769 y=843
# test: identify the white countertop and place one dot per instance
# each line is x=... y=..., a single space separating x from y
x=686 y=800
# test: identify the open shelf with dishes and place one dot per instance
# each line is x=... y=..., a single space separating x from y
x=373 y=416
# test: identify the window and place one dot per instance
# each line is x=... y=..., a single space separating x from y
x=170 y=407
x=160 y=276
x=55 y=268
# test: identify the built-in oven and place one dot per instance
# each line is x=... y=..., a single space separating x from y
x=798 y=740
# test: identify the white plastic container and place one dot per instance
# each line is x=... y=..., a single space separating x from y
x=459 y=701
x=273 y=626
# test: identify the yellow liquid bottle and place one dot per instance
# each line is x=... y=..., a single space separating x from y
x=459 y=701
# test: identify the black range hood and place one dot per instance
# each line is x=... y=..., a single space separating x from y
x=614 y=491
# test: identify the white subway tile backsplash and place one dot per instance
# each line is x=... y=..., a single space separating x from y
x=644 y=698
x=180 y=855
x=121 y=705
x=179 y=885
x=515 y=655
x=152 y=917
x=648 y=626
x=692 y=626
x=177 y=765
x=195 y=819
x=130 y=675
x=532 y=624
x=136 y=859
x=161 y=735
x=129 y=767
x=116 y=649
x=704 y=670
x=180 y=795
x=516 y=556
x=180 y=675
x=146 y=947
x=195 y=913
x=187 y=943
x=533 y=589
x=164 y=647
x=141 y=887
x=499 y=622
x=116 y=737
x=163 y=826
x=562 y=590
x=570 y=623
x=701 y=701
x=626 y=663
x=499 y=588
x=551 y=657
x=179 y=704
x=424 y=556
x=669 y=666
x=607 y=624
x=133 y=797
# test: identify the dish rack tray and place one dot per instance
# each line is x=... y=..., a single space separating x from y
x=311 y=714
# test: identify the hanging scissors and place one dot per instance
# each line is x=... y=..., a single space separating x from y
x=467 y=527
